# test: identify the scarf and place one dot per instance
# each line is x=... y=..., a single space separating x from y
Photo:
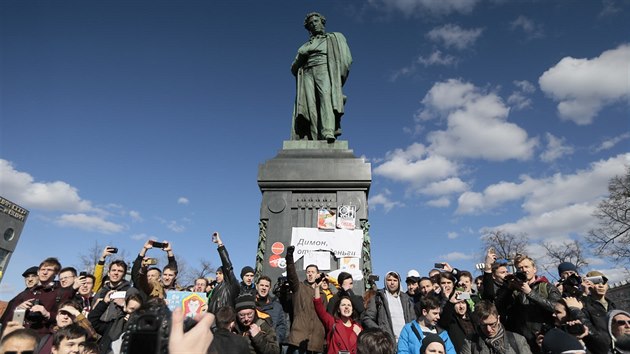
x=497 y=343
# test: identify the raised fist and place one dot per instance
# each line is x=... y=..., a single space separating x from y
x=290 y=250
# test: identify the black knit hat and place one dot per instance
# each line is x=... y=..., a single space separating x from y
x=245 y=301
x=557 y=341
x=245 y=270
x=430 y=338
x=566 y=267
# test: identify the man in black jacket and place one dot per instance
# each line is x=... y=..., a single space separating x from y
x=225 y=292
x=224 y=340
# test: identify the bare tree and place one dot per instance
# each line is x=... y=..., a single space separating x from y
x=506 y=245
x=612 y=237
x=568 y=251
x=89 y=259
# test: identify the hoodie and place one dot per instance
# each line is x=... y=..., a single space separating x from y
x=618 y=346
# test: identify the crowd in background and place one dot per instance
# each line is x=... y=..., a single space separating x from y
x=508 y=309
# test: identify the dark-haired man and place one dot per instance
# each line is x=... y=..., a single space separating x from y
x=247 y=281
x=69 y=340
x=390 y=309
x=225 y=341
x=492 y=337
x=266 y=302
x=227 y=288
x=412 y=334
x=375 y=341
x=307 y=331
x=19 y=341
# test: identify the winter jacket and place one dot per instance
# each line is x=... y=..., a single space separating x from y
x=526 y=314
x=307 y=332
x=612 y=315
x=264 y=342
x=338 y=336
x=517 y=345
x=409 y=343
x=111 y=329
x=452 y=323
x=227 y=342
x=598 y=316
x=225 y=292
x=377 y=314
x=273 y=308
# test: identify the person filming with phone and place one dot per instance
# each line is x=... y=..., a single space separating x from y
x=149 y=278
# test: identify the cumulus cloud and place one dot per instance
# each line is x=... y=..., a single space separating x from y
x=455 y=256
x=442 y=202
x=424 y=7
x=415 y=166
x=183 y=200
x=529 y=26
x=21 y=188
x=611 y=142
x=555 y=148
x=175 y=227
x=383 y=199
x=583 y=186
x=584 y=86
x=438 y=58
x=447 y=186
x=89 y=223
x=477 y=124
x=135 y=216
x=519 y=99
x=453 y=36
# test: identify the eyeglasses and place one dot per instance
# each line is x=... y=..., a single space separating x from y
x=622 y=322
x=491 y=325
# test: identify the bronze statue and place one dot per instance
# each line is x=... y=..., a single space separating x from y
x=321 y=68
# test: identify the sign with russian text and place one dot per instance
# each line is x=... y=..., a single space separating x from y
x=341 y=242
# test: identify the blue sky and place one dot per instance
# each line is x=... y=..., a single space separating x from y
x=124 y=120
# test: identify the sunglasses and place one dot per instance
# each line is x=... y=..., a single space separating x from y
x=622 y=322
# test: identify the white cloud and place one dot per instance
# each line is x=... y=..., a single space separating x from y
x=89 y=223
x=477 y=124
x=138 y=237
x=414 y=166
x=452 y=235
x=438 y=58
x=135 y=216
x=610 y=8
x=584 y=86
x=609 y=143
x=518 y=99
x=21 y=188
x=183 y=200
x=384 y=200
x=453 y=36
x=527 y=25
x=175 y=227
x=455 y=256
x=442 y=202
x=584 y=186
x=555 y=148
x=447 y=186
x=424 y=7
x=575 y=218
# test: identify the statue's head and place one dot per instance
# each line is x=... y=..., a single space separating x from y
x=315 y=22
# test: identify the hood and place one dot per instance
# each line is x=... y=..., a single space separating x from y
x=611 y=315
x=396 y=275
x=541 y=279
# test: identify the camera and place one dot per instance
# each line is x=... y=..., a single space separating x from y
x=438 y=265
x=572 y=286
x=520 y=275
x=574 y=329
x=161 y=245
x=281 y=286
x=148 y=330
x=320 y=277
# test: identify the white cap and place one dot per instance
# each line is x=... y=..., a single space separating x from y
x=413 y=273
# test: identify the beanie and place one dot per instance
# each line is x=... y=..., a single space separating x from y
x=219 y=269
x=245 y=301
x=566 y=266
x=430 y=338
x=557 y=341
x=245 y=270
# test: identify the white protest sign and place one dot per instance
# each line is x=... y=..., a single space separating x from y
x=341 y=242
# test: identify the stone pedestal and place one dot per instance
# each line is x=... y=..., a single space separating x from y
x=304 y=177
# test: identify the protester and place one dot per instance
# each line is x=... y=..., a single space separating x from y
x=428 y=315
x=375 y=341
x=20 y=340
x=227 y=288
x=342 y=328
x=255 y=326
x=266 y=302
x=432 y=344
x=225 y=341
x=619 y=330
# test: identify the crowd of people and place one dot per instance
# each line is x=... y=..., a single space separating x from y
x=507 y=309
